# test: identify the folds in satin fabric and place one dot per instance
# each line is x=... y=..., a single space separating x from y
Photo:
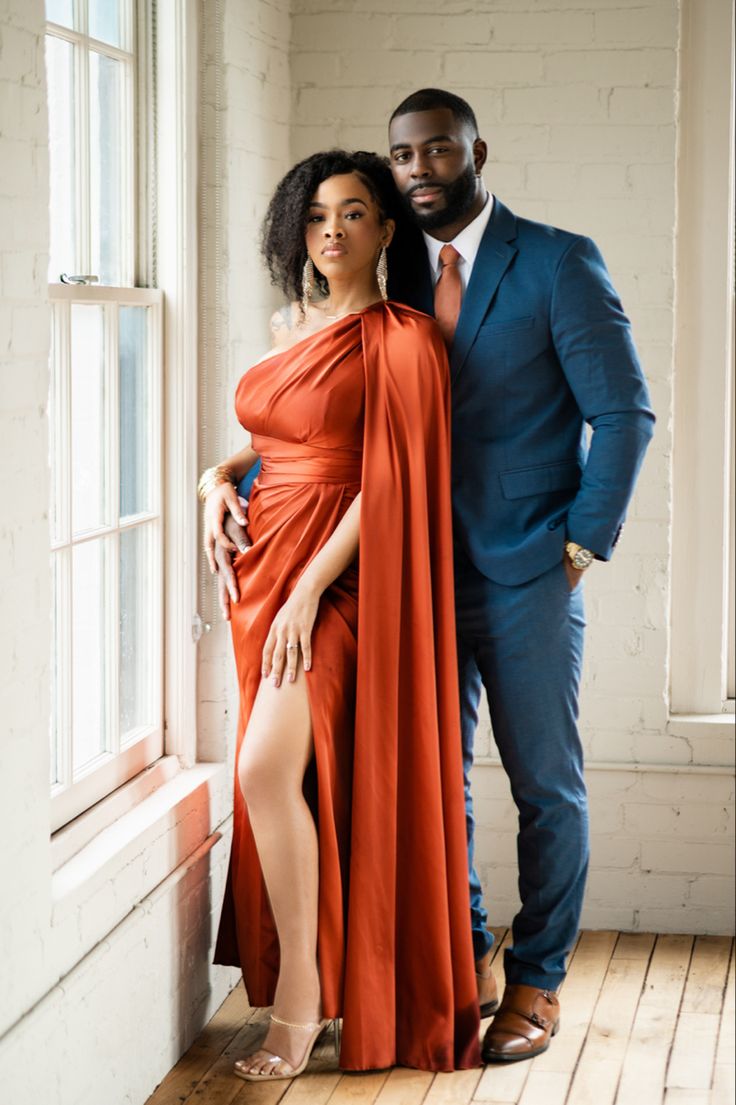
x=364 y=405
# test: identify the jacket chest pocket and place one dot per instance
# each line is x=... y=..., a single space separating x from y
x=495 y=327
x=509 y=341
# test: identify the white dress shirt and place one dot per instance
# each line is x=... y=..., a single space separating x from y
x=466 y=243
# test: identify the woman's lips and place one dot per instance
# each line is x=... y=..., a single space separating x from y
x=333 y=251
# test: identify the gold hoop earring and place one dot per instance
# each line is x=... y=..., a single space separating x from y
x=307 y=284
x=382 y=274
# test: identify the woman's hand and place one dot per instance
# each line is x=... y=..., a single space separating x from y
x=221 y=501
x=227 y=584
x=291 y=630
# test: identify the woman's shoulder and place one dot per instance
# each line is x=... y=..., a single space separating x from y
x=410 y=314
x=416 y=322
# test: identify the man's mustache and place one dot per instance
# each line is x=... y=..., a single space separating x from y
x=426 y=187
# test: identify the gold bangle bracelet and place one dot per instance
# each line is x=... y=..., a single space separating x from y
x=212 y=478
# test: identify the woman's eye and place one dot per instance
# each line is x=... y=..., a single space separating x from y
x=314 y=219
x=354 y=215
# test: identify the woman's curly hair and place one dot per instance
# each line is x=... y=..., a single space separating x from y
x=283 y=236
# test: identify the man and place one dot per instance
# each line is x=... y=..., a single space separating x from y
x=539 y=346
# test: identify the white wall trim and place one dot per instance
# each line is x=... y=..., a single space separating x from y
x=628 y=766
x=178 y=88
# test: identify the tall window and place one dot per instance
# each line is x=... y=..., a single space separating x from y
x=105 y=411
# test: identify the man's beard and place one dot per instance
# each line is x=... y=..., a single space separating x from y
x=459 y=198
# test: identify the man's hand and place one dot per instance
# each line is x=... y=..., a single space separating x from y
x=574 y=575
x=223 y=502
x=227 y=584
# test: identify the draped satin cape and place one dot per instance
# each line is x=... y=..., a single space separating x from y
x=363 y=406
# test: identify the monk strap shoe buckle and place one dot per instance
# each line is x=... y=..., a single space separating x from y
x=541 y=1022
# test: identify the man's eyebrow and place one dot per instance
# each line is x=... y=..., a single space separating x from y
x=425 y=142
x=343 y=203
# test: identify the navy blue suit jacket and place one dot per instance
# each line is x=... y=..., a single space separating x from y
x=542 y=347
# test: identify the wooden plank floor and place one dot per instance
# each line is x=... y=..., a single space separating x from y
x=646 y=1020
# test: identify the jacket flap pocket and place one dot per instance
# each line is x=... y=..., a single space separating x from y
x=540 y=479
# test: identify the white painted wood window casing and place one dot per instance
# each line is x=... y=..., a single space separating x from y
x=702 y=653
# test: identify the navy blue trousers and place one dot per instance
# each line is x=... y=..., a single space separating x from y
x=525 y=645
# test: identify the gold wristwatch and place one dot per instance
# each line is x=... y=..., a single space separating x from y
x=579 y=557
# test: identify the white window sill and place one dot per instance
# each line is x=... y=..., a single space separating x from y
x=710 y=736
x=113 y=860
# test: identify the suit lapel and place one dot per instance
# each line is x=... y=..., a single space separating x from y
x=494 y=256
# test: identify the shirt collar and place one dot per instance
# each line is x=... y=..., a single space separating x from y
x=467 y=242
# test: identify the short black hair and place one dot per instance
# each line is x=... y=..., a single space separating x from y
x=429 y=99
x=283 y=243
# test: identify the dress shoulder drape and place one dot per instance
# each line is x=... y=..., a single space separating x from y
x=364 y=406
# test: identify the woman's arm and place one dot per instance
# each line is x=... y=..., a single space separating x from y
x=294 y=622
x=240 y=464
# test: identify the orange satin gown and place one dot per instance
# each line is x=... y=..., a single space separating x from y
x=363 y=405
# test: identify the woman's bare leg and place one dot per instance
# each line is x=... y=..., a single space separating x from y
x=275 y=752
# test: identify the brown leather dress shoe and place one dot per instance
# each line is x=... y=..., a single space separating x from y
x=487 y=988
x=526 y=1020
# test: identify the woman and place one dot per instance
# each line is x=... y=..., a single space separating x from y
x=347 y=893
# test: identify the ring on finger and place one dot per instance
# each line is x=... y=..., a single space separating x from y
x=288 y=647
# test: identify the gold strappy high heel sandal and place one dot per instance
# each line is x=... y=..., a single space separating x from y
x=316 y=1028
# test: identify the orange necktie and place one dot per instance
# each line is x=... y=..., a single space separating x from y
x=448 y=293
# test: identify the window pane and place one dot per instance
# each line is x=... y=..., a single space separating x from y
x=89 y=660
x=138 y=623
x=61 y=12
x=104 y=21
x=60 y=75
x=135 y=411
x=107 y=145
x=88 y=410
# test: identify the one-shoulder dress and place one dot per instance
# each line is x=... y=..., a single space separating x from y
x=363 y=406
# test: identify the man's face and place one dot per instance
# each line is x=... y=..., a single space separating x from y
x=435 y=161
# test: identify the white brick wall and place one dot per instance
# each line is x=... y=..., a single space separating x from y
x=254 y=95
x=24 y=532
x=117 y=1022
x=661 y=848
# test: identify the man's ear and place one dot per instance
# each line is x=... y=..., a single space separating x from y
x=480 y=154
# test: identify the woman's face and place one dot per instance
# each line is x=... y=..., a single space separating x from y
x=344 y=228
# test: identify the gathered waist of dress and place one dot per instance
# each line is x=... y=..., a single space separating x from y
x=294 y=462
